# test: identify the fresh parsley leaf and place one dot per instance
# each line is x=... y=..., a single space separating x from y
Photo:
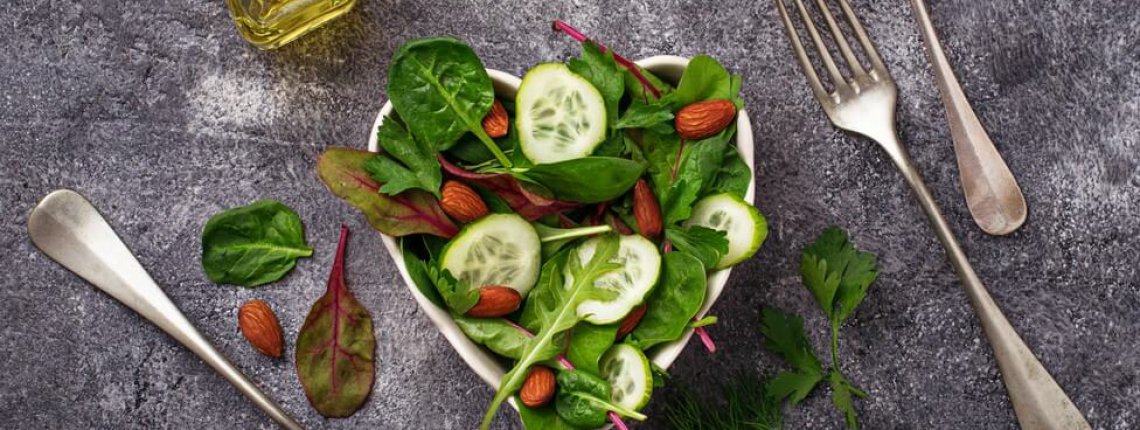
x=642 y=115
x=406 y=163
x=793 y=385
x=785 y=336
x=707 y=244
x=841 y=395
x=604 y=73
x=837 y=274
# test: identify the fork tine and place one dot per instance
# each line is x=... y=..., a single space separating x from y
x=836 y=79
x=841 y=41
x=868 y=47
x=805 y=63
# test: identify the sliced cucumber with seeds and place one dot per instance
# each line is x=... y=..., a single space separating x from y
x=500 y=249
x=631 y=378
x=641 y=265
x=744 y=225
x=560 y=116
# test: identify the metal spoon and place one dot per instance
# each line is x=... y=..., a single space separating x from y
x=992 y=194
x=69 y=230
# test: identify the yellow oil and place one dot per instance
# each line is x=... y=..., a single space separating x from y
x=268 y=24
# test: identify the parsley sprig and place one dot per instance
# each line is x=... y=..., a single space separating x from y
x=837 y=275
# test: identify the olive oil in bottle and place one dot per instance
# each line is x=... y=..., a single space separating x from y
x=268 y=24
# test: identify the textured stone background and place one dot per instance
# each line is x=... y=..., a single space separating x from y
x=162 y=116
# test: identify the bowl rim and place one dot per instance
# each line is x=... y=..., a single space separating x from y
x=478 y=358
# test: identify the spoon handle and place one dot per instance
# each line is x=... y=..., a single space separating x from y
x=67 y=228
x=992 y=193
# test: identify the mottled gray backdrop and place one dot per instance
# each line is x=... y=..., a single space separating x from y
x=162 y=116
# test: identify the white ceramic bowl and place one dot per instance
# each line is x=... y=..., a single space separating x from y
x=482 y=361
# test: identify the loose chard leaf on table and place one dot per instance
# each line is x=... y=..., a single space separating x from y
x=336 y=347
x=407 y=163
x=411 y=212
x=673 y=303
x=253 y=245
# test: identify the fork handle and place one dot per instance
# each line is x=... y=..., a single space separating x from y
x=1037 y=399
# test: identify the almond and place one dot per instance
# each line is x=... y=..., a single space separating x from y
x=260 y=327
x=631 y=320
x=646 y=211
x=496 y=123
x=495 y=301
x=538 y=388
x=462 y=202
x=704 y=119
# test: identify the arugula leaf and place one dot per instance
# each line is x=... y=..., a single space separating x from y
x=458 y=294
x=642 y=115
x=406 y=162
x=706 y=244
x=837 y=274
x=604 y=73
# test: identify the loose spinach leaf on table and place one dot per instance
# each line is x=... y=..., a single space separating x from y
x=584 y=399
x=604 y=73
x=253 y=245
x=587 y=344
x=499 y=335
x=411 y=212
x=673 y=303
x=587 y=179
x=440 y=88
x=406 y=162
x=706 y=244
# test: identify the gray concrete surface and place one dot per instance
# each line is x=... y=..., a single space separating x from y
x=162 y=116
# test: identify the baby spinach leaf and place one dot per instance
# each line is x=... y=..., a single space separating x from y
x=554 y=312
x=677 y=298
x=521 y=197
x=613 y=146
x=253 y=245
x=702 y=159
x=439 y=86
x=544 y=418
x=584 y=399
x=587 y=179
x=499 y=335
x=734 y=175
x=641 y=115
x=587 y=344
x=411 y=212
x=470 y=150
x=406 y=163
x=604 y=73
x=704 y=243
x=336 y=347
x=703 y=79
x=677 y=205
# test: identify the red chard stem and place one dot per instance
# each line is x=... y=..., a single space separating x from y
x=624 y=62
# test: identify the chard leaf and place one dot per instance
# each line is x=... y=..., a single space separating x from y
x=253 y=245
x=411 y=212
x=406 y=163
x=522 y=198
x=336 y=347
x=673 y=303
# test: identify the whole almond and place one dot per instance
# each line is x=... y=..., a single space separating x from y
x=538 y=388
x=631 y=320
x=495 y=301
x=260 y=327
x=646 y=211
x=704 y=119
x=496 y=123
x=462 y=202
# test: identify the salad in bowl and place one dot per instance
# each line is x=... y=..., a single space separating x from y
x=567 y=231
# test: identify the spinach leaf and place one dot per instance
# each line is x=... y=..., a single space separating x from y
x=587 y=344
x=497 y=334
x=411 y=212
x=253 y=245
x=657 y=116
x=604 y=73
x=554 y=313
x=406 y=163
x=439 y=86
x=673 y=303
x=544 y=418
x=584 y=399
x=704 y=243
x=470 y=150
x=704 y=79
x=734 y=176
x=702 y=159
x=587 y=179
x=613 y=146
x=678 y=203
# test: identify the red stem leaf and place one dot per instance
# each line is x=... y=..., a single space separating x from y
x=559 y=25
x=525 y=202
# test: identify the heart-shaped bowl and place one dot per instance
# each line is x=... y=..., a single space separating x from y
x=482 y=361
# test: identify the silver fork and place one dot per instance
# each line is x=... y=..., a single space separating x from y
x=865 y=104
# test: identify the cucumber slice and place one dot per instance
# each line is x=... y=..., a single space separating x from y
x=641 y=265
x=560 y=115
x=631 y=379
x=500 y=249
x=745 y=226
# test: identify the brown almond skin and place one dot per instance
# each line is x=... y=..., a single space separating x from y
x=646 y=210
x=631 y=320
x=538 y=388
x=704 y=119
x=260 y=327
x=496 y=123
x=495 y=301
x=461 y=202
